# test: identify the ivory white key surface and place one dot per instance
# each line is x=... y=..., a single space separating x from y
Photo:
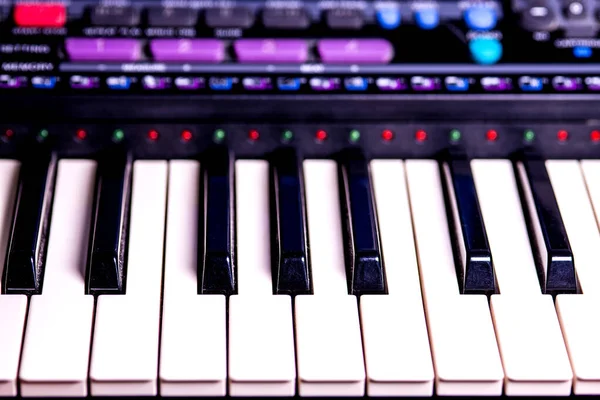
x=56 y=347
x=193 y=353
x=463 y=342
x=581 y=332
x=13 y=308
x=261 y=331
x=533 y=351
x=395 y=339
x=532 y=347
x=328 y=338
x=126 y=331
x=506 y=228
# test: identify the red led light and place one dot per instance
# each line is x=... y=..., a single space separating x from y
x=562 y=135
x=186 y=136
x=595 y=136
x=387 y=135
x=153 y=135
x=253 y=135
x=81 y=134
x=321 y=135
x=491 y=135
x=9 y=133
x=421 y=135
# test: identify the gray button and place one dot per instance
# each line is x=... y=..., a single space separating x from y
x=115 y=16
x=344 y=18
x=169 y=16
x=285 y=18
x=234 y=17
x=539 y=16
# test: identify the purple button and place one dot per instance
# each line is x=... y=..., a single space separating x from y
x=99 y=49
x=202 y=50
x=271 y=50
x=355 y=51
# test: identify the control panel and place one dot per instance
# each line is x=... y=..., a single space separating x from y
x=300 y=47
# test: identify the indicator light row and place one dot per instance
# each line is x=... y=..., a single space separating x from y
x=321 y=135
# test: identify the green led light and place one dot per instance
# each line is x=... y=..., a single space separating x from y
x=118 y=135
x=219 y=135
x=455 y=135
x=528 y=135
x=354 y=135
x=43 y=134
x=287 y=136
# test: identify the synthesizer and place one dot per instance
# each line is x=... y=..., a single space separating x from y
x=299 y=198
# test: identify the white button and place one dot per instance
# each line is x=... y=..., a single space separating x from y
x=193 y=353
x=395 y=338
x=126 y=333
x=465 y=352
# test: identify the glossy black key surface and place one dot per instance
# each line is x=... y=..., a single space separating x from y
x=291 y=273
x=108 y=245
x=24 y=267
x=364 y=264
x=550 y=242
x=471 y=247
x=216 y=268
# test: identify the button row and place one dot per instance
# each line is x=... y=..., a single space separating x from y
x=365 y=51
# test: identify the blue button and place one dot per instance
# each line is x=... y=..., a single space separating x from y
x=485 y=50
x=389 y=18
x=220 y=83
x=356 y=84
x=288 y=84
x=427 y=18
x=582 y=52
x=480 y=18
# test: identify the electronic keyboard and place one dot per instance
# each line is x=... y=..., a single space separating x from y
x=318 y=198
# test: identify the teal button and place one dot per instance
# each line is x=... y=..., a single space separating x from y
x=485 y=50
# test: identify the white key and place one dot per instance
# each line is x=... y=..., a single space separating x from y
x=57 y=340
x=328 y=338
x=261 y=331
x=193 y=353
x=395 y=339
x=126 y=332
x=13 y=308
x=533 y=351
x=463 y=342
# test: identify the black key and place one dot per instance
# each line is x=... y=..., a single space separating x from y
x=169 y=16
x=115 y=16
x=364 y=264
x=229 y=17
x=291 y=274
x=345 y=18
x=216 y=269
x=27 y=249
x=285 y=18
x=110 y=224
x=556 y=268
x=471 y=248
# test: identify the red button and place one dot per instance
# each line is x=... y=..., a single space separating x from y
x=48 y=15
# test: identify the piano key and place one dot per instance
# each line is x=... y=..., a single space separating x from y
x=111 y=218
x=529 y=336
x=13 y=308
x=549 y=239
x=362 y=251
x=216 y=273
x=27 y=250
x=125 y=349
x=395 y=339
x=576 y=188
x=476 y=272
x=193 y=352
x=463 y=342
x=328 y=339
x=290 y=262
x=260 y=323
x=57 y=339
